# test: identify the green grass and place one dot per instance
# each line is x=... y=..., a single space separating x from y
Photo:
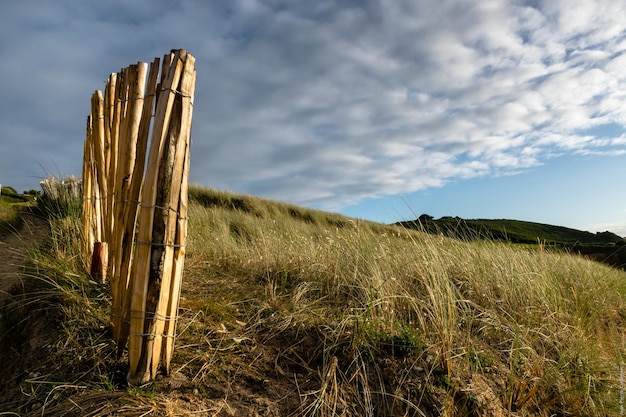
x=307 y=313
x=10 y=220
x=605 y=247
x=515 y=231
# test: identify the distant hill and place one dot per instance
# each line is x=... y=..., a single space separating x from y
x=605 y=247
x=515 y=231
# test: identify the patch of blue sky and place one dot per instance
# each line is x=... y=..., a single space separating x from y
x=607 y=130
x=559 y=193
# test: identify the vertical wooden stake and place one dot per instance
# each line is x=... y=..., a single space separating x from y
x=100 y=262
x=87 y=206
x=125 y=284
x=169 y=304
x=141 y=337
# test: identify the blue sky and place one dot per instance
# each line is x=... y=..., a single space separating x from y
x=377 y=109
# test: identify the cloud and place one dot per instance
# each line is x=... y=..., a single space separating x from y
x=399 y=97
x=328 y=103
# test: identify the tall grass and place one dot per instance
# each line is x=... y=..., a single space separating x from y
x=316 y=314
x=52 y=342
x=546 y=326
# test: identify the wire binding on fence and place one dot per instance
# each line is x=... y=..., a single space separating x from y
x=138 y=314
x=175 y=210
x=138 y=202
x=173 y=90
x=158 y=245
x=98 y=198
x=126 y=100
x=153 y=335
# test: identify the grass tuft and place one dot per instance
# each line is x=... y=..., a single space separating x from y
x=291 y=311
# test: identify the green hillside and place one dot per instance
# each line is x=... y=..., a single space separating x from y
x=606 y=247
x=288 y=311
x=10 y=204
x=515 y=231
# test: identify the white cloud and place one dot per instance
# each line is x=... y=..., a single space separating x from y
x=329 y=103
x=395 y=96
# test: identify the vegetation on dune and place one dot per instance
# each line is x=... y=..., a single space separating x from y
x=292 y=311
x=10 y=204
x=9 y=216
x=605 y=246
x=515 y=231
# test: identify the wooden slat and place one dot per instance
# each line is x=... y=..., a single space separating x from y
x=113 y=115
x=100 y=159
x=87 y=203
x=171 y=304
x=99 y=261
x=130 y=209
x=172 y=168
x=143 y=299
x=112 y=108
x=112 y=137
x=128 y=171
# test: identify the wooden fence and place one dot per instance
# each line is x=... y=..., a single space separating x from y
x=135 y=225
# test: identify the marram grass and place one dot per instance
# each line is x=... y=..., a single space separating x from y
x=544 y=327
x=314 y=314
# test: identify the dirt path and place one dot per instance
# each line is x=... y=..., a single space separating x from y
x=13 y=248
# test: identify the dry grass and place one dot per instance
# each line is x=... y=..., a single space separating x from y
x=544 y=327
x=290 y=311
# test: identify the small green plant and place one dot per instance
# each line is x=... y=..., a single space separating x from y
x=480 y=360
x=148 y=390
x=396 y=343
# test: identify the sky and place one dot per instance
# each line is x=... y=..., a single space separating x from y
x=382 y=110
